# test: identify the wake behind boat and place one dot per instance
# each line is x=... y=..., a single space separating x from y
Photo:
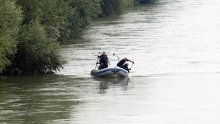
x=110 y=72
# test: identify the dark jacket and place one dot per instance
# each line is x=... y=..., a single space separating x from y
x=120 y=63
x=103 y=61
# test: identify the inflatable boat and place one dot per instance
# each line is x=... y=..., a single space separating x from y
x=110 y=72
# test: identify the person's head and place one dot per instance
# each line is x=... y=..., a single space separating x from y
x=125 y=59
x=103 y=53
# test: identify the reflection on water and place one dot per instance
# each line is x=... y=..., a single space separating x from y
x=106 y=83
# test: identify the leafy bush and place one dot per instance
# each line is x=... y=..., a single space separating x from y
x=36 y=52
x=114 y=7
x=10 y=19
x=85 y=12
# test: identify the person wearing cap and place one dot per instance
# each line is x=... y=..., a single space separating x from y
x=122 y=64
x=103 y=61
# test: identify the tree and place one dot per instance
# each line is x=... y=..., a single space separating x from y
x=52 y=14
x=111 y=7
x=10 y=19
x=62 y=19
x=85 y=12
x=36 y=52
x=114 y=7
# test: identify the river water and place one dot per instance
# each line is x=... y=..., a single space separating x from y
x=175 y=79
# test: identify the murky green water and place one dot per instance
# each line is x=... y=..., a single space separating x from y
x=175 y=78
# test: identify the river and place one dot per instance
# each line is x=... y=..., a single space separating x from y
x=174 y=80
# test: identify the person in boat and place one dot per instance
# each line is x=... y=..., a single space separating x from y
x=103 y=61
x=122 y=64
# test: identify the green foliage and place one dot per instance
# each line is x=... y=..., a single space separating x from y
x=146 y=1
x=54 y=17
x=111 y=7
x=31 y=9
x=114 y=7
x=10 y=18
x=85 y=12
x=127 y=3
x=7 y=48
x=62 y=19
x=36 y=52
x=66 y=19
x=52 y=14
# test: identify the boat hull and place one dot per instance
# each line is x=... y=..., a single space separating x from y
x=110 y=72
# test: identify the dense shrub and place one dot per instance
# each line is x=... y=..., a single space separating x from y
x=36 y=52
x=10 y=18
x=114 y=7
x=85 y=12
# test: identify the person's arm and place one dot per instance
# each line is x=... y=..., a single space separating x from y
x=130 y=61
x=98 y=61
